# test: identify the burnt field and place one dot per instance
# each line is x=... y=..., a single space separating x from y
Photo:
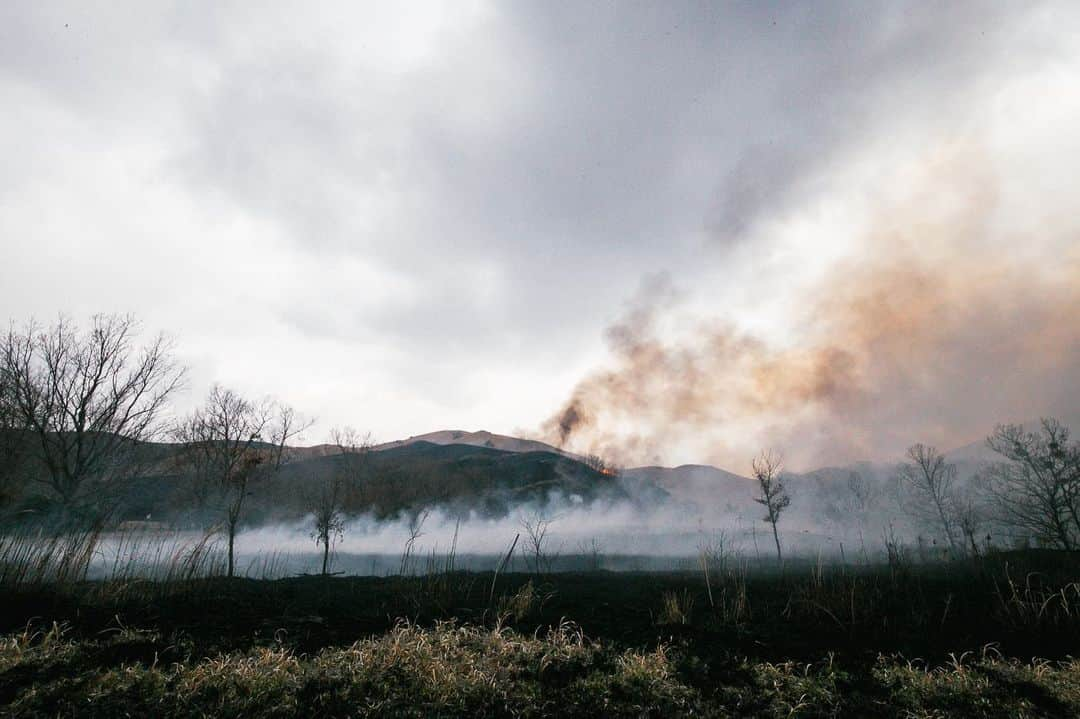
x=987 y=637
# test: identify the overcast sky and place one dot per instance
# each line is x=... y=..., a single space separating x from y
x=418 y=216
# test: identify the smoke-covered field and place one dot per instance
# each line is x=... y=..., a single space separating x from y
x=426 y=578
x=383 y=548
x=558 y=535
x=727 y=636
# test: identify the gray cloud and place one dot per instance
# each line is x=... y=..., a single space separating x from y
x=439 y=197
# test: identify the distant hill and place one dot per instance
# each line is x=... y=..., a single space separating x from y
x=695 y=483
x=402 y=477
x=492 y=474
x=976 y=452
x=482 y=438
x=464 y=477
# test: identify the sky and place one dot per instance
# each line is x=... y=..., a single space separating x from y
x=665 y=232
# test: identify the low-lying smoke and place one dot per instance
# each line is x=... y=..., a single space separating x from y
x=668 y=528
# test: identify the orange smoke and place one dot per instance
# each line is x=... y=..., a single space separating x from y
x=934 y=332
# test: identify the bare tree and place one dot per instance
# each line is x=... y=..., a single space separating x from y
x=327 y=503
x=767 y=468
x=857 y=499
x=930 y=482
x=971 y=514
x=1037 y=488
x=860 y=494
x=329 y=519
x=536 y=529
x=416 y=530
x=232 y=441
x=13 y=436
x=89 y=399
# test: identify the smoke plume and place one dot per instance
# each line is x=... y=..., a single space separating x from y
x=941 y=320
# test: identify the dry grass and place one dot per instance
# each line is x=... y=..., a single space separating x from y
x=677 y=608
x=39 y=558
x=447 y=670
x=451 y=670
x=1035 y=604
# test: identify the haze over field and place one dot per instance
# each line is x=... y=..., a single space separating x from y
x=665 y=234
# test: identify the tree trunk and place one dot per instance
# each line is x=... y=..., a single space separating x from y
x=974 y=544
x=232 y=536
x=946 y=525
x=1063 y=534
x=776 y=538
x=326 y=555
x=1071 y=506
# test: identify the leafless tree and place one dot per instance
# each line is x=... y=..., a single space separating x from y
x=930 y=482
x=13 y=437
x=536 y=529
x=416 y=530
x=971 y=514
x=860 y=494
x=767 y=468
x=327 y=503
x=89 y=399
x=1037 y=488
x=231 y=442
x=859 y=497
x=329 y=519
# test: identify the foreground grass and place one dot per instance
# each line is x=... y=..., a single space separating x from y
x=808 y=641
x=450 y=670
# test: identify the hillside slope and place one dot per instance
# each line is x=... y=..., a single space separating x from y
x=481 y=438
x=459 y=478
